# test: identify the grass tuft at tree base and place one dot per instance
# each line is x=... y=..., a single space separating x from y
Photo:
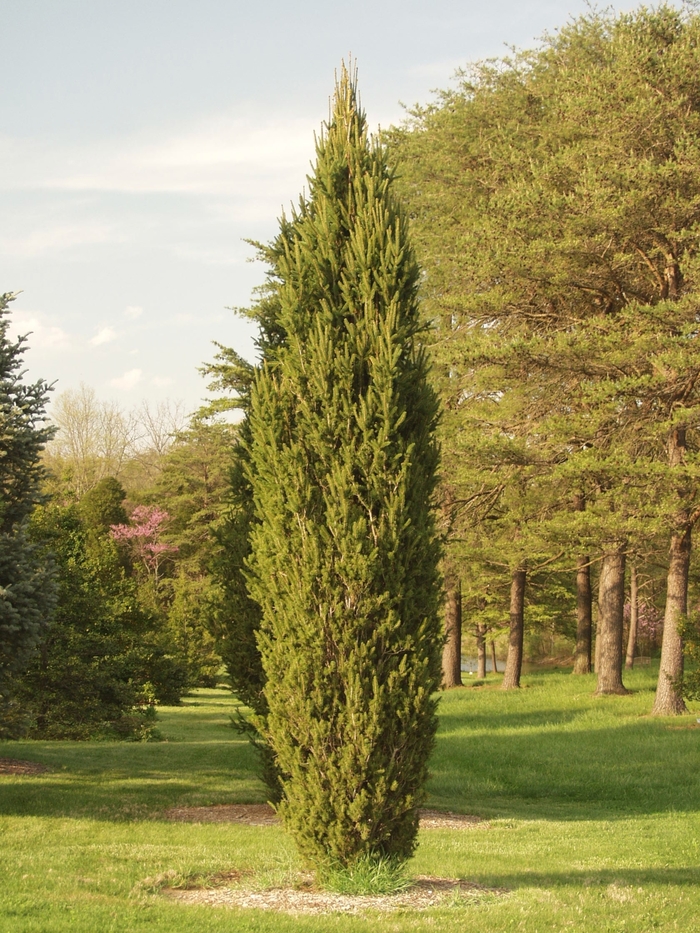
x=367 y=875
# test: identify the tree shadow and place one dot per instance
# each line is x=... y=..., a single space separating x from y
x=566 y=773
x=619 y=877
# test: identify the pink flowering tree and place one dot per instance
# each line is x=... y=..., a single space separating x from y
x=143 y=535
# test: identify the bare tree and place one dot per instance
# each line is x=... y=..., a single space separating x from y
x=159 y=425
x=97 y=438
x=94 y=438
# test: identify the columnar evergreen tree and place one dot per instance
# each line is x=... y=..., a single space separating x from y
x=235 y=616
x=344 y=558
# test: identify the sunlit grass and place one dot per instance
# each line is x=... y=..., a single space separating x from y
x=591 y=808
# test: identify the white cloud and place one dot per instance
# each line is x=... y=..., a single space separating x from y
x=52 y=237
x=106 y=335
x=42 y=336
x=227 y=154
x=161 y=381
x=133 y=311
x=129 y=380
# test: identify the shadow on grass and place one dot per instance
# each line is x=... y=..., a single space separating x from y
x=145 y=800
x=552 y=754
x=622 y=877
x=451 y=720
x=629 y=767
x=105 y=781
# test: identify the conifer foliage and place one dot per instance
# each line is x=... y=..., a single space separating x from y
x=27 y=590
x=344 y=552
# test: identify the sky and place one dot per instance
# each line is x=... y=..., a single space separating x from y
x=143 y=142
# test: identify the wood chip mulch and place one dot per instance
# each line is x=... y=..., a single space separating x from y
x=262 y=814
x=15 y=766
x=445 y=819
x=425 y=892
x=254 y=814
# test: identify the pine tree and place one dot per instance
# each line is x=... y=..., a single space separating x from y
x=26 y=584
x=557 y=203
x=344 y=557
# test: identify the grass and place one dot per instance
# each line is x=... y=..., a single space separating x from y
x=593 y=810
x=367 y=876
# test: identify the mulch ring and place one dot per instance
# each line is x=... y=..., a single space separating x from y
x=254 y=814
x=262 y=814
x=15 y=766
x=424 y=892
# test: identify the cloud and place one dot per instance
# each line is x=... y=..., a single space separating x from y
x=42 y=336
x=223 y=155
x=161 y=381
x=129 y=380
x=106 y=335
x=133 y=311
x=52 y=237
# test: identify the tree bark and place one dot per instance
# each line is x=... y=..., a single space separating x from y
x=584 y=616
x=669 y=701
x=494 y=663
x=452 y=652
x=634 y=617
x=584 y=605
x=514 y=663
x=481 y=651
x=611 y=604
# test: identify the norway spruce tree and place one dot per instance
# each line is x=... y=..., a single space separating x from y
x=344 y=551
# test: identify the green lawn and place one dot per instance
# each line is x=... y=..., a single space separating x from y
x=593 y=809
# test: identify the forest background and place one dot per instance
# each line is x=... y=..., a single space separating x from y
x=555 y=198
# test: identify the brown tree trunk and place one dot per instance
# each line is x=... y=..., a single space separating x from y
x=514 y=663
x=584 y=615
x=481 y=651
x=584 y=605
x=669 y=701
x=634 y=616
x=494 y=662
x=452 y=652
x=611 y=604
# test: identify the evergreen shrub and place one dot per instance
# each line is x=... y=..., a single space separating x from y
x=344 y=551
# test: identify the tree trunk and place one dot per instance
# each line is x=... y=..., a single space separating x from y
x=669 y=701
x=494 y=663
x=511 y=678
x=481 y=651
x=611 y=604
x=634 y=616
x=452 y=652
x=584 y=614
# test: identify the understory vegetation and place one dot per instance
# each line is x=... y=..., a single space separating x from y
x=585 y=826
